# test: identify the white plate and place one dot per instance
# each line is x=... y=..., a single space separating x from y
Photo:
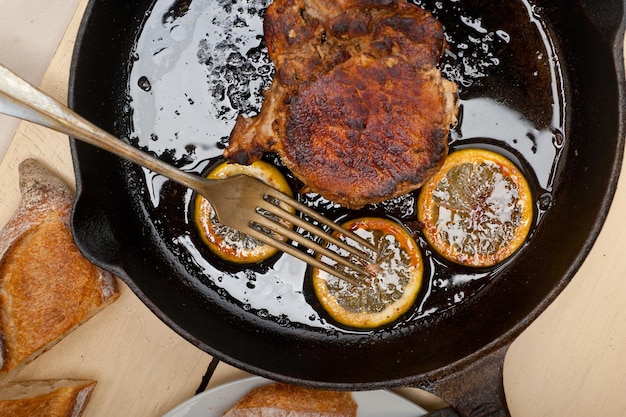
x=214 y=402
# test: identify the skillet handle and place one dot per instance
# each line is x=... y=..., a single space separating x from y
x=474 y=391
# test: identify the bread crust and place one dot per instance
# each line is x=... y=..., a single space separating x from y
x=47 y=288
x=50 y=398
x=285 y=400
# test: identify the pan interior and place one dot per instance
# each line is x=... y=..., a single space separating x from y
x=196 y=71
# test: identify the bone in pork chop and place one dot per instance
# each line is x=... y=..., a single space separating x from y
x=357 y=110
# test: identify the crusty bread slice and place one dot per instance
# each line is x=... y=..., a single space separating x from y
x=284 y=400
x=47 y=288
x=48 y=398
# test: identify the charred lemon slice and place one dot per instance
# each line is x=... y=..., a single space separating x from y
x=477 y=210
x=228 y=243
x=391 y=288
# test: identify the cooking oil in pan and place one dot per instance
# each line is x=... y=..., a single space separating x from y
x=197 y=65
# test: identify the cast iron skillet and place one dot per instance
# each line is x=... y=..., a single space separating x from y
x=459 y=359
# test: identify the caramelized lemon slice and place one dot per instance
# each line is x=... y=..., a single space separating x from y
x=227 y=243
x=477 y=210
x=391 y=288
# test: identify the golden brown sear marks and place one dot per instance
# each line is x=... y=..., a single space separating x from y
x=357 y=110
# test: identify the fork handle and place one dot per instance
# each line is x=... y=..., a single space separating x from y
x=20 y=99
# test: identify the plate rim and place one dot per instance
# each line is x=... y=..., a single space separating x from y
x=250 y=382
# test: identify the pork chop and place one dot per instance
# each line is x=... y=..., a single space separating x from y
x=357 y=109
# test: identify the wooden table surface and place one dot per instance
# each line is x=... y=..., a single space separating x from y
x=570 y=362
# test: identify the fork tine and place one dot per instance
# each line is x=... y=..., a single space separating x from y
x=268 y=214
x=293 y=251
x=282 y=229
x=271 y=192
x=284 y=214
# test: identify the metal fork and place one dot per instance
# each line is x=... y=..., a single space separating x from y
x=243 y=203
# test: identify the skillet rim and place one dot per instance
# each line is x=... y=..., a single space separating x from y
x=504 y=339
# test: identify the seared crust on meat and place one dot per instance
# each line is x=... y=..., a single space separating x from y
x=357 y=110
x=361 y=140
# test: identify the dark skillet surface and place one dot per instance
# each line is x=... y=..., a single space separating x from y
x=113 y=226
